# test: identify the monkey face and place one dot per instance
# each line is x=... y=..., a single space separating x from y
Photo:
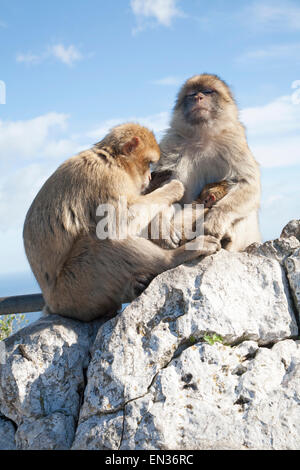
x=209 y=200
x=146 y=180
x=199 y=104
x=202 y=98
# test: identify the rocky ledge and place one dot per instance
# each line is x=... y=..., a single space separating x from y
x=207 y=357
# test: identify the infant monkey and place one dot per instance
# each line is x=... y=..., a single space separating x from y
x=212 y=193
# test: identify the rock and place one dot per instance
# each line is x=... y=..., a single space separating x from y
x=214 y=397
x=206 y=358
x=279 y=249
x=42 y=380
x=210 y=397
x=291 y=229
x=7 y=435
x=55 y=431
x=285 y=250
x=292 y=265
x=229 y=294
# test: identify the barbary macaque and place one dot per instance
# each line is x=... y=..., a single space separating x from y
x=206 y=142
x=212 y=193
x=82 y=275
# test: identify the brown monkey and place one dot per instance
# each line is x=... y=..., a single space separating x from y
x=82 y=276
x=206 y=142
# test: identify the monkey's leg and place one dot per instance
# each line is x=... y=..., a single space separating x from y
x=169 y=230
x=100 y=275
x=162 y=260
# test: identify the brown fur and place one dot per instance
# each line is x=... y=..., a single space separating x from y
x=212 y=193
x=205 y=143
x=82 y=276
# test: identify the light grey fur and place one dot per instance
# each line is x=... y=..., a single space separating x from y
x=210 y=152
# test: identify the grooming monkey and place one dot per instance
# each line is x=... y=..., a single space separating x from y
x=82 y=276
x=205 y=143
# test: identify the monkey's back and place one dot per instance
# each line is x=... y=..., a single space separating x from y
x=65 y=209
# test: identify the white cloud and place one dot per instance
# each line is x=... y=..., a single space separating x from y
x=27 y=139
x=278 y=51
x=280 y=116
x=67 y=55
x=29 y=58
x=279 y=151
x=30 y=151
x=162 y=11
x=168 y=81
x=156 y=122
x=280 y=199
x=278 y=15
x=273 y=132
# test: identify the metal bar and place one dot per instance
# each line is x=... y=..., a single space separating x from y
x=21 y=304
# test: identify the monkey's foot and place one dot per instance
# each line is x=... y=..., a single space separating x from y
x=140 y=284
x=204 y=245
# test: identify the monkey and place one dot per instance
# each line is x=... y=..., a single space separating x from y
x=212 y=193
x=81 y=275
x=206 y=142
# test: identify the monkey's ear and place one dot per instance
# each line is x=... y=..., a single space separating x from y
x=131 y=146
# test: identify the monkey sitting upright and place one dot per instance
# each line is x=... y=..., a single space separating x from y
x=206 y=142
x=82 y=276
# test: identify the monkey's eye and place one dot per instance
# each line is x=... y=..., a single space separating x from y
x=192 y=94
x=207 y=91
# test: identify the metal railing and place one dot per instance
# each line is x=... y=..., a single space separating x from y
x=21 y=304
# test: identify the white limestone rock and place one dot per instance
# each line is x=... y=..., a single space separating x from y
x=206 y=358
x=42 y=380
x=229 y=294
x=216 y=397
x=291 y=229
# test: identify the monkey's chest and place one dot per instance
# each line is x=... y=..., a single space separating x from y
x=196 y=172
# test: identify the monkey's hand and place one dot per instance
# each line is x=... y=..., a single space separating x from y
x=163 y=230
x=216 y=223
x=204 y=244
x=174 y=191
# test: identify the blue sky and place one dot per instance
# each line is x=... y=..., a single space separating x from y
x=72 y=69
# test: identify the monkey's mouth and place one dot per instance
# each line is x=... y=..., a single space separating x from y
x=198 y=109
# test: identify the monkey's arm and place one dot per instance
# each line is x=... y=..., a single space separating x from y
x=242 y=198
x=147 y=207
x=21 y=304
x=158 y=179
